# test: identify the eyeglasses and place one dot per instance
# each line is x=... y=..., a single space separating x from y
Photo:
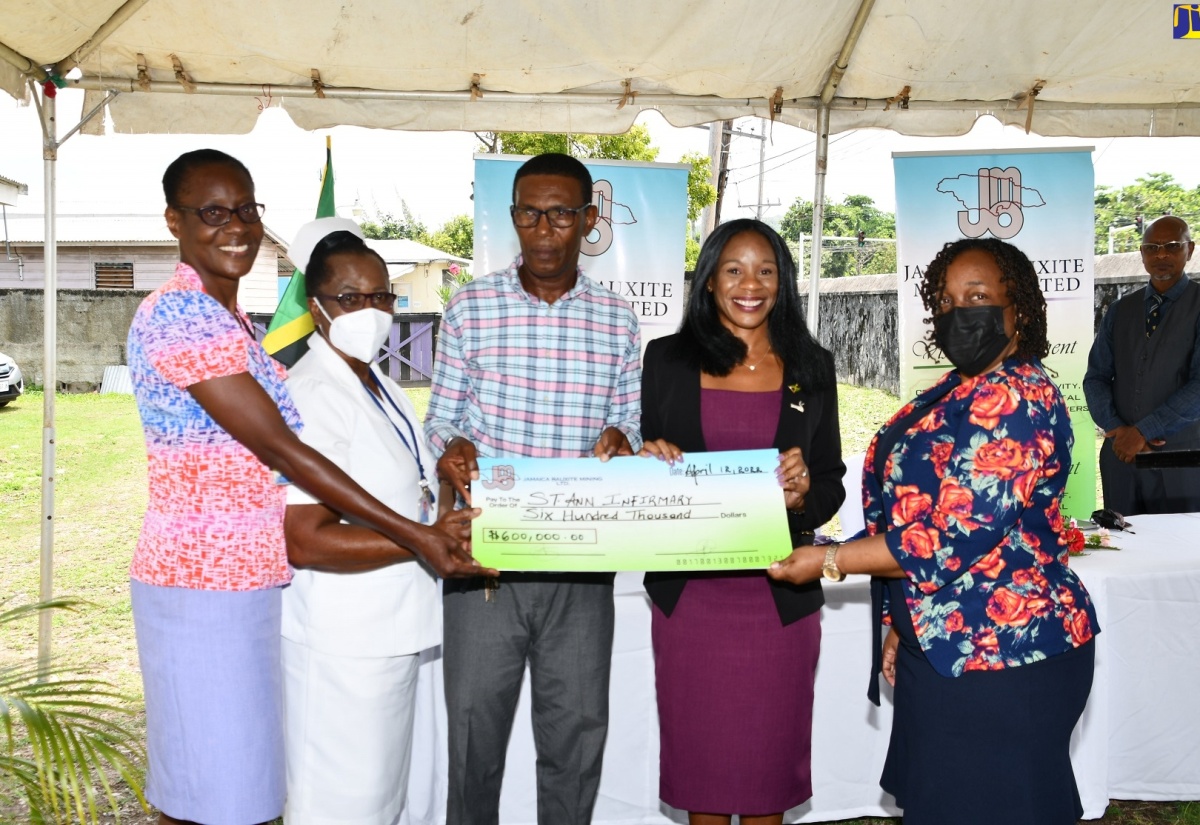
x=560 y=216
x=220 y=215
x=1172 y=248
x=354 y=301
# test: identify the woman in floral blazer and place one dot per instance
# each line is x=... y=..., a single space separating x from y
x=989 y=648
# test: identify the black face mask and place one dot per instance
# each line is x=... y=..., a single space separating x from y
x=971 y=337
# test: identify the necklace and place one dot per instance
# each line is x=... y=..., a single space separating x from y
x=752 y=367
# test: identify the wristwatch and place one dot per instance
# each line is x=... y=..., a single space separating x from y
x=830 y=569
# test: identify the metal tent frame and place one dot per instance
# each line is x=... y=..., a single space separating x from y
x=894 y=65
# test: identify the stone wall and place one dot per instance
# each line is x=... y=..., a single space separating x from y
x=857 y=323
x=859 y=317
x=1110 y=289
x=92 y=327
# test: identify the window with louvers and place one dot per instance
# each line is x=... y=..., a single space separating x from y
x=114 y=276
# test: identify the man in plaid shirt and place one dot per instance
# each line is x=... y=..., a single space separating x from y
x=534 y=360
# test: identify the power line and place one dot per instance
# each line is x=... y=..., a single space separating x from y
x=864 y=135
x=799 y=157
x=773 y=157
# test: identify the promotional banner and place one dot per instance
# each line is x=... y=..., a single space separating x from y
x=1041 y=201
x=636 y=248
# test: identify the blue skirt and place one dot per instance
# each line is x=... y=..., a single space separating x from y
x=214 y=703
x=987 y=747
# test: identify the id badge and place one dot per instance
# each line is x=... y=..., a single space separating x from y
x=425 y=503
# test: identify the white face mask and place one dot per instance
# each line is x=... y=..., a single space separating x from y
x=359 y=335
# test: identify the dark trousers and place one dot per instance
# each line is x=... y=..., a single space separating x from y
x=1012 y=726
x=562 y=626
x=1131 y=491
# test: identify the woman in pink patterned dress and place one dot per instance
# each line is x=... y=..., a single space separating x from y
x=210 y=561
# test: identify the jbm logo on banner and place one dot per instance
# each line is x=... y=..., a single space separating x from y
x=999 y=201
x=1185 y=21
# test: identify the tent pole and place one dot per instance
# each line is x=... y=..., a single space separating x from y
x=118 y=18
x=828 y=93
x=814 y=267
x=48 y=112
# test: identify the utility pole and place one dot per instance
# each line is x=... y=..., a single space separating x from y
x=722 y=167
x=762 y=157
x=708 y=218
x=719 y=139
x=1113 y=230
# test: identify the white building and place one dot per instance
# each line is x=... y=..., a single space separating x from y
x=416 y=272
x=116 y=252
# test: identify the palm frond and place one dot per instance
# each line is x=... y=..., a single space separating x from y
x=63 y=734
x=61 y=603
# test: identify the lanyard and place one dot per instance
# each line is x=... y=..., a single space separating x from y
x=426 y=497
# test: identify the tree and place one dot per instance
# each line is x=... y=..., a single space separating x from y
x=632 y=145
x=458 y=277
x=691 y=251
x=456 y=236
x=1150 y=197
x=701 y=192
x=387 y=226
x=856 y=213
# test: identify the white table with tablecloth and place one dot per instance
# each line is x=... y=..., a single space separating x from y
x=1139 y=737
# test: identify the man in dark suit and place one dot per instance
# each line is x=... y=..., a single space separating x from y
x=1143 y=379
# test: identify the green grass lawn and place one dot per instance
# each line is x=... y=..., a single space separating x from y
x=100 y=496
x=100 y=492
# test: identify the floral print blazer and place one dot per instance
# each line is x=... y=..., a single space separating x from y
x=970 y=499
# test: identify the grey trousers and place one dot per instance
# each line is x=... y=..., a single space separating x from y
x=1132 y=492
x=562 y=625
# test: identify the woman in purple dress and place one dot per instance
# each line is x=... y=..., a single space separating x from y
x=743 y=372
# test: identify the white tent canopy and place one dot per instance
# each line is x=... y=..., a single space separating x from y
x=932 y=67
x=921 y=67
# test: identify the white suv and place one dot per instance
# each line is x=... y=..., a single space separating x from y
x=11 y=382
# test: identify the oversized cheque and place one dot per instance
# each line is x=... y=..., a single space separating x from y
x=711 y=511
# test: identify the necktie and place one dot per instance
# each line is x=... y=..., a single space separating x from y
x=1156 y=302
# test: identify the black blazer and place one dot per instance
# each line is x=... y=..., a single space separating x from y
x=671 y=410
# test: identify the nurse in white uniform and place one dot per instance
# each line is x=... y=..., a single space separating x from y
x=360 y=608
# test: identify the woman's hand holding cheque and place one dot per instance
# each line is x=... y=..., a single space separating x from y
x=793 y=478
x=661 y=449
